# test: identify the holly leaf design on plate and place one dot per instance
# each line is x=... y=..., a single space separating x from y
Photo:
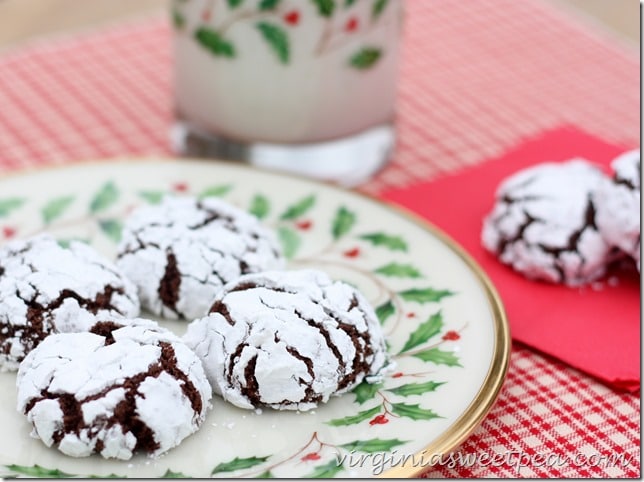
x=259 y=206
x=415 y=412
x=178 y=19
x=9 y=204
x=55 y=208
x=349 y=3
x=325 y=7
x=214 y=42
x=38 y=471
x=424 y=295
x=424 y=332
x=277 y=38
x=326 y=471
x=415 y=388
x=438 y=357
x=353 y=419
x=399 y=270
x=266 y=475
x=268 y=4
x=299 y=208
x=343 y=222
x=378 y=8
x=373 y=445
x=384 y=311
x=234 y=3
x=104 y=198
x=365 y=58
x=366 y=391
x=215 y=191
x=394 y=243
x=152 y=197
x=289 y=240
x=169 y=474
x=239 y=463
x=112 y=228
x=64 y=243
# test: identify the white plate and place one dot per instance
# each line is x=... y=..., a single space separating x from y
x=445 y=325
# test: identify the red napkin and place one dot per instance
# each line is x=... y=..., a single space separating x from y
x=594 y=329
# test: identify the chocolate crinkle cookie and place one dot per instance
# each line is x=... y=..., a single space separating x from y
x=45 y=288
x=543 y=223
x=181 y=252
x=287 y=340
x=618 y=205
x=115 y=390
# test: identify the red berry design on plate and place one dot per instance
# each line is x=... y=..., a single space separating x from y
x=451 y=336
x=397 y=375
x=304 y=225
x=292 y=17
x=411 y=314
x=379 y=420
x=311 y=456
x=351 y=25
x=8 y=232
x=206 y=15
x=180 y=187
x=352 y=253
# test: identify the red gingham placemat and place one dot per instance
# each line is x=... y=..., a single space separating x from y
x=476 y=78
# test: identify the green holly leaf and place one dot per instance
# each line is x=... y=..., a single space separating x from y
x=238 y=463
x=439 y=357
x=55 y=208
x=326 y=471
x=399 y=270
x=268 y=4
x=112 y=228
x=266 y=475
x=215 y=191
x=365 y=58
x=424 y=332
x=299 y=208
x=349 y=3
x=366 y=391
x=343 y=222
x=357 y=418
x=415 y=388
x=234 y=3
x=212 y=41
x=152 y=197
x=394 y=243
x=260 y=206
x=169 y=474
x=290 y=241
x=277 y=38
x=104 y=198
x=373 y=445
x=378 y=7
x=325 y=7
x=9 y=204
x=178 y=19
x=424 y=295
x=415 y=412
x=64 y=243
x=38 y=471
x=384 y=311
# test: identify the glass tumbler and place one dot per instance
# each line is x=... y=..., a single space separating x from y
x=305 y=86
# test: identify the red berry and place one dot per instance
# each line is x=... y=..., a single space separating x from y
x=180 y=187
x=311 y=456
x=397 y=375
x=379 y=420
x=205 y=15
x=352 y=253
x=304 y=225
x=351 y=25
x=451 y=336
x=411 y=314
x=292 y=17
x=8 y=232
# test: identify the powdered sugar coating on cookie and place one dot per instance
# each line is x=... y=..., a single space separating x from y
x=115 y=390
x=543 y=223
x=182 y=251
x=287 y=340
x=618 y=205
x=45 y=288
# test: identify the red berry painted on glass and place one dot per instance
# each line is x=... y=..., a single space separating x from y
x=451 y=336
x=397 y=375
x=379 y=420
x=351 y=25
x=180 y=187
x=292 y=17
x=311 y=456
x=352 y=253
x=304 y=225
x=8 y=232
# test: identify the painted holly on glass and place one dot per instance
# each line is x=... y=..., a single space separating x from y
x=276 y=24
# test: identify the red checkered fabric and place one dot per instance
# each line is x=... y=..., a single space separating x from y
x=476 y=78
